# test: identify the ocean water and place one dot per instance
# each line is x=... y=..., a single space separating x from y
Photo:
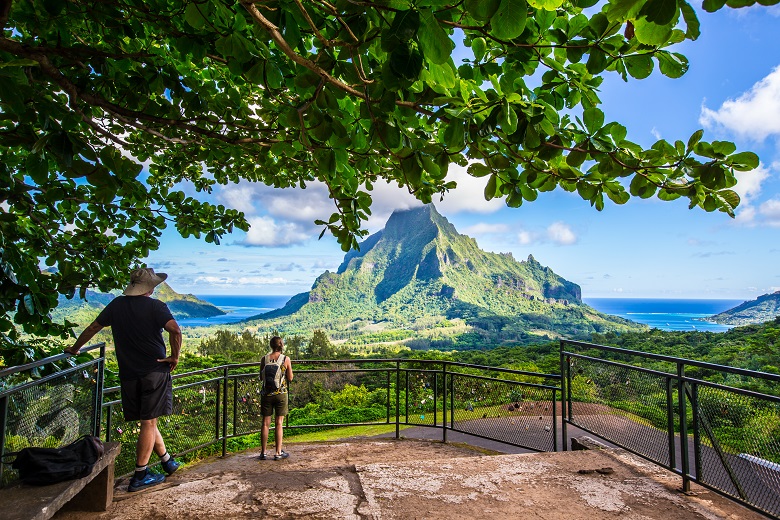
x=666 y=314
x=237 y=308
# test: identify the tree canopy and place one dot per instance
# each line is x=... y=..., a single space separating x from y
x=108 y=109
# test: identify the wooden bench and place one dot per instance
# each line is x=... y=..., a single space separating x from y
x=95 y=492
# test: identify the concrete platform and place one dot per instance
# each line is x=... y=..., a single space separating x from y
x=414 y=479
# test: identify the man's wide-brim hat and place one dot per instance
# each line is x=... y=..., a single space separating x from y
x=144 y=280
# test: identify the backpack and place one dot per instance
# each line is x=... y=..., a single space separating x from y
x=41 y=466
x=273 y=375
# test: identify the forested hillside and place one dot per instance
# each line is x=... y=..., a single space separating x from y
x=762 y=309
x=420 y=282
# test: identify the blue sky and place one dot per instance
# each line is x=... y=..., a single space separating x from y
x=644 y=249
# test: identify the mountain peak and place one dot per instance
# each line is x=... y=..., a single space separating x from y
x=423 y=220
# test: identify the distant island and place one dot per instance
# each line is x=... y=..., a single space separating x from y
x=762 y=309
x=420 y=283
x=182 y=306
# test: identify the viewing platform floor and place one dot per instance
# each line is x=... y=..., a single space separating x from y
x=420 y=479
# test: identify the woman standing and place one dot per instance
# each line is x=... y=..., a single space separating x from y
x=276 y=373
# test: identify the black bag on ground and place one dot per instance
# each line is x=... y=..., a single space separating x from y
x=41 y=466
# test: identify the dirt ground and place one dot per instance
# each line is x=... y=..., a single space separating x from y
x=412 y=479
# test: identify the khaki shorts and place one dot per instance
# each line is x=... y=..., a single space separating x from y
x=277 y=403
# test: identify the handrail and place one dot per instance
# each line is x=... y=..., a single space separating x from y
x=51 y=359
x=676 y=360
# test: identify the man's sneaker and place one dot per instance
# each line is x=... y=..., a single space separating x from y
x=170 y=466
x=282 y=455
x=150 y=479
x=262 y=456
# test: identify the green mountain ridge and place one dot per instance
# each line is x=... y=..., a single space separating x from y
x=182 y=306
x=764 y=308
x=419 y=273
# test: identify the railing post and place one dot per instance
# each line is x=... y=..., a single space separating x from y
x=696 y=431
x=406 y=396
x=3 y=424
x=224 y=410
x=443 y=401
x=387 y=377
x=109 y=424
x=97 y=414
x=435 y=399
x=670 y=424
x=235 y=405
x=555 y=420
x=452 y=400
x=397 y=399
x=686 y=486
x=564 y=402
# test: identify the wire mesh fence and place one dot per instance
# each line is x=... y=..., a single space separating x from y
x=49 y=411
x=738 y=444
x=722 y=437
x=517 y=413
x=625 y=404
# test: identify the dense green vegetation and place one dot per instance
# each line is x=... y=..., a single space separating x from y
x=764 y=308
x=344 y=93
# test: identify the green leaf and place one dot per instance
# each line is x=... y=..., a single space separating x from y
x=694 y=139
x=507 y=118
x=405 y=62
x=482 y=10
x=661 y=12
x=672 y=64
x=434 y=41
x=508 y=22
x=713 y=5
x=593 y=119
x=478 y=170
x=454 y=134
x=193 y=16
x=623 y=10
x=490 y=187
x=597 y=61
x=430 y=166
x=730 y=197
x=478 y=47
x=575 y=158
x=744 y=161
x=22 y=62
x=651 y=33
x=692 y=24
x=547 y=5
x=639 y=66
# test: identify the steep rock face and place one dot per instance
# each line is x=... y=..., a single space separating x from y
x=420 y=259
x=762 y=309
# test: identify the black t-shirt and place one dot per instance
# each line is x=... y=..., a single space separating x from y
x=137 y=323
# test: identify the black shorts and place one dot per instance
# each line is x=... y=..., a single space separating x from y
x=147 y=397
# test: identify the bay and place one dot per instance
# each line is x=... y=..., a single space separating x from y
x=666 y=314
x=238 y=308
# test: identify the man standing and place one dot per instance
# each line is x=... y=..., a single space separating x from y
x=136 y=322
x=276 y=372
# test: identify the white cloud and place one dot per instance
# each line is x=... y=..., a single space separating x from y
x=561 y=234
x=656 y=133
x=770 y=210
x=749 y=183
x=755 y=114
x=525 y=238
x=265 y=231
x=244 y=280
x=483 y=228
x=468 y=196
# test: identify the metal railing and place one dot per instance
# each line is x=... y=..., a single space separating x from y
x=722 y=433
x=722 y=436
x=50 y=410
